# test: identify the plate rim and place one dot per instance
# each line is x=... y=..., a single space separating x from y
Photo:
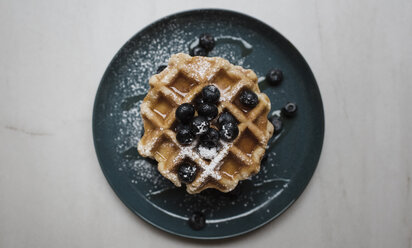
x=205 y=11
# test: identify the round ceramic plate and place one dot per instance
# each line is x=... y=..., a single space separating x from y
x=291 y=159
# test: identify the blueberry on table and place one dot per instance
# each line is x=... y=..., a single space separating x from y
x=160 y=68
x=277 y=124
x=187 y=172
x=248 y=99
x=210 y=94
x=210 y=138
x=274 y=76
x=207 y=41
x=197 y=221
x=185 y=135
x=198 y=51
x=229 y=131
x=199 y=125
x=185 y=112
x=207 y=110
x=290 y=109
x=226 y=117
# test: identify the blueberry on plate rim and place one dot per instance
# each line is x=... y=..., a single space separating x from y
x=187 y=172
x=207 y=41
x=197 y=220
x=198 y=51
x=185 y=112
x=290 y=109
x=274 y=76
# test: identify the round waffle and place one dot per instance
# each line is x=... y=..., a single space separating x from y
x=181 y=82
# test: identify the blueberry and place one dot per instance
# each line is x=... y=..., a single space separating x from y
x=229 y=131
x=185 y=112
x=197 y=221
x=248 y=98
x=226 y=117
x=290 y=109
x=160 y=68
x=210 y=138
x=185 y=135
x=187 y=172
x=207 y=110
x=181 y=126
x=207 y=41
x=277 y=124
x=198 y=51
x=198 y=101
x=274 y=76
x=211 y=94
x=199 y=125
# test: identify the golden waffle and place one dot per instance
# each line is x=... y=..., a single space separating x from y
x=181 y=82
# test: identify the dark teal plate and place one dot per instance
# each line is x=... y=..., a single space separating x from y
x=291 y=160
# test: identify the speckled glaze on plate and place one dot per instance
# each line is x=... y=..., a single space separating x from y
x=291 y=160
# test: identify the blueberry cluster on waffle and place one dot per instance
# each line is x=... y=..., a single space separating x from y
x=205 y=123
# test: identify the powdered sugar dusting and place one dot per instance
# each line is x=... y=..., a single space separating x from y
x=141 y=65
x=225 y=131
x=207 y=153
x=202 y=127
x=198 y=70
x=186 y=151
x=213 y=167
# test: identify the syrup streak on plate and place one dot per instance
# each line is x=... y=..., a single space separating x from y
x=247 y=212
x=157 y=192
x=168 y=213
x=276 y=179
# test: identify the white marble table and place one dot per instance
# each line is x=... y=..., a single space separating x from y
x=53 y=55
